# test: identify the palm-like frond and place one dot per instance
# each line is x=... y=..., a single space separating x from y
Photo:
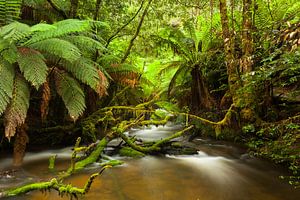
x=172 y=83
x=84 y=70
x=32 y=65
x=15 y=113
x=87 y=45
x=9 y=10
x=57 y=47
x=71 y=93
x=62 y=28
x=7 y=74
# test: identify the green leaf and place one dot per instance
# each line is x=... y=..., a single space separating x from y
x=58 y=47
x=7 y=74
x=16 y=112
x=71 y=93
x=83 y=69
x=32 y=65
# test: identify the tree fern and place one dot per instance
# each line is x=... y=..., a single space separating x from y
x=62 y=28
x=84 y=70
x=87 y=45
x=57 y=47
x=7 y=74
x=32 y=65
x=9 y=10
x=71 y=93
x=15 y=113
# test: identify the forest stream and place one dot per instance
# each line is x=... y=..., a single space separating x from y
x=220 y=171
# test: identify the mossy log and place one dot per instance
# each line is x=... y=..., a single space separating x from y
x=63 y=189
x=156 y=146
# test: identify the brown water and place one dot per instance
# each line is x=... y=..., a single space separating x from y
x=220 y=171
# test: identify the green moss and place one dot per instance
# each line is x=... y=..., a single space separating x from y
x=129 y=152
x=112 y=163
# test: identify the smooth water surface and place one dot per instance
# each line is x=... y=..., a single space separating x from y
x=220 y=171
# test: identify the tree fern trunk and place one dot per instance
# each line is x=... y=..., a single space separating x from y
x=21 y=140
x=201 y=98
x=74 y=8
x=98 y=5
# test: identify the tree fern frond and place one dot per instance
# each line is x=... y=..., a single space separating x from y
x=71 y=93
x=15 y=31
x=108 y=60
x=7 y=74
x=172 y=83
x=32 y=65
x=85 y=44
x=292 y=12
x=43 y=27
x=169 y=66
x=9 y=52
x=16 y=112
x=9 y=10
x=58 y=47
x=84 y=70
x=63 y=28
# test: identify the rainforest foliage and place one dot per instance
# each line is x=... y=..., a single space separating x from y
x=93 y=69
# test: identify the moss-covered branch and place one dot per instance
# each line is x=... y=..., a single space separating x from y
x=62 y=189
x=156 y=146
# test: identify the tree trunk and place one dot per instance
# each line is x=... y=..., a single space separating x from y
x=127 y=52
x=232 y=64
x=98 y=5
x=21 y=139
x=73 y=9
x=201 y=98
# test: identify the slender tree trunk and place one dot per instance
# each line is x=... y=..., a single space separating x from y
x=246 y=63
x=127 y=52
x=98 y=5
x=74 y=8
x=232 y=64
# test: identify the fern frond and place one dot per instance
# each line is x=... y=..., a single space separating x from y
x=169 y=66
x=63 y=28
x=102 y=84
x=71 y=93
x=15 y=31
x=172 y=83
x=8 y=51
x=57 y=47
x=16 y=112
x=7 y=74
x=84 y=70
x=9 y=10
x=32 y=65
x=86 y=45
x=292 y=12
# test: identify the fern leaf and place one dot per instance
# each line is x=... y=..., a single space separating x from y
x=71 y=93
x=9 y=10
x=58 y=47
x=15 y=31
x=32 y=65
x=16 y=112
x=102 y=84
x=85 y=44
x=63 y=28
x=84 y=70
x=7 y=74
x=174 y=78
x=292 y=12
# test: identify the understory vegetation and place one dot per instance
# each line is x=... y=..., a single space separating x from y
x=84 y=72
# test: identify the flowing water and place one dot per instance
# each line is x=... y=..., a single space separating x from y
x=220 y=171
